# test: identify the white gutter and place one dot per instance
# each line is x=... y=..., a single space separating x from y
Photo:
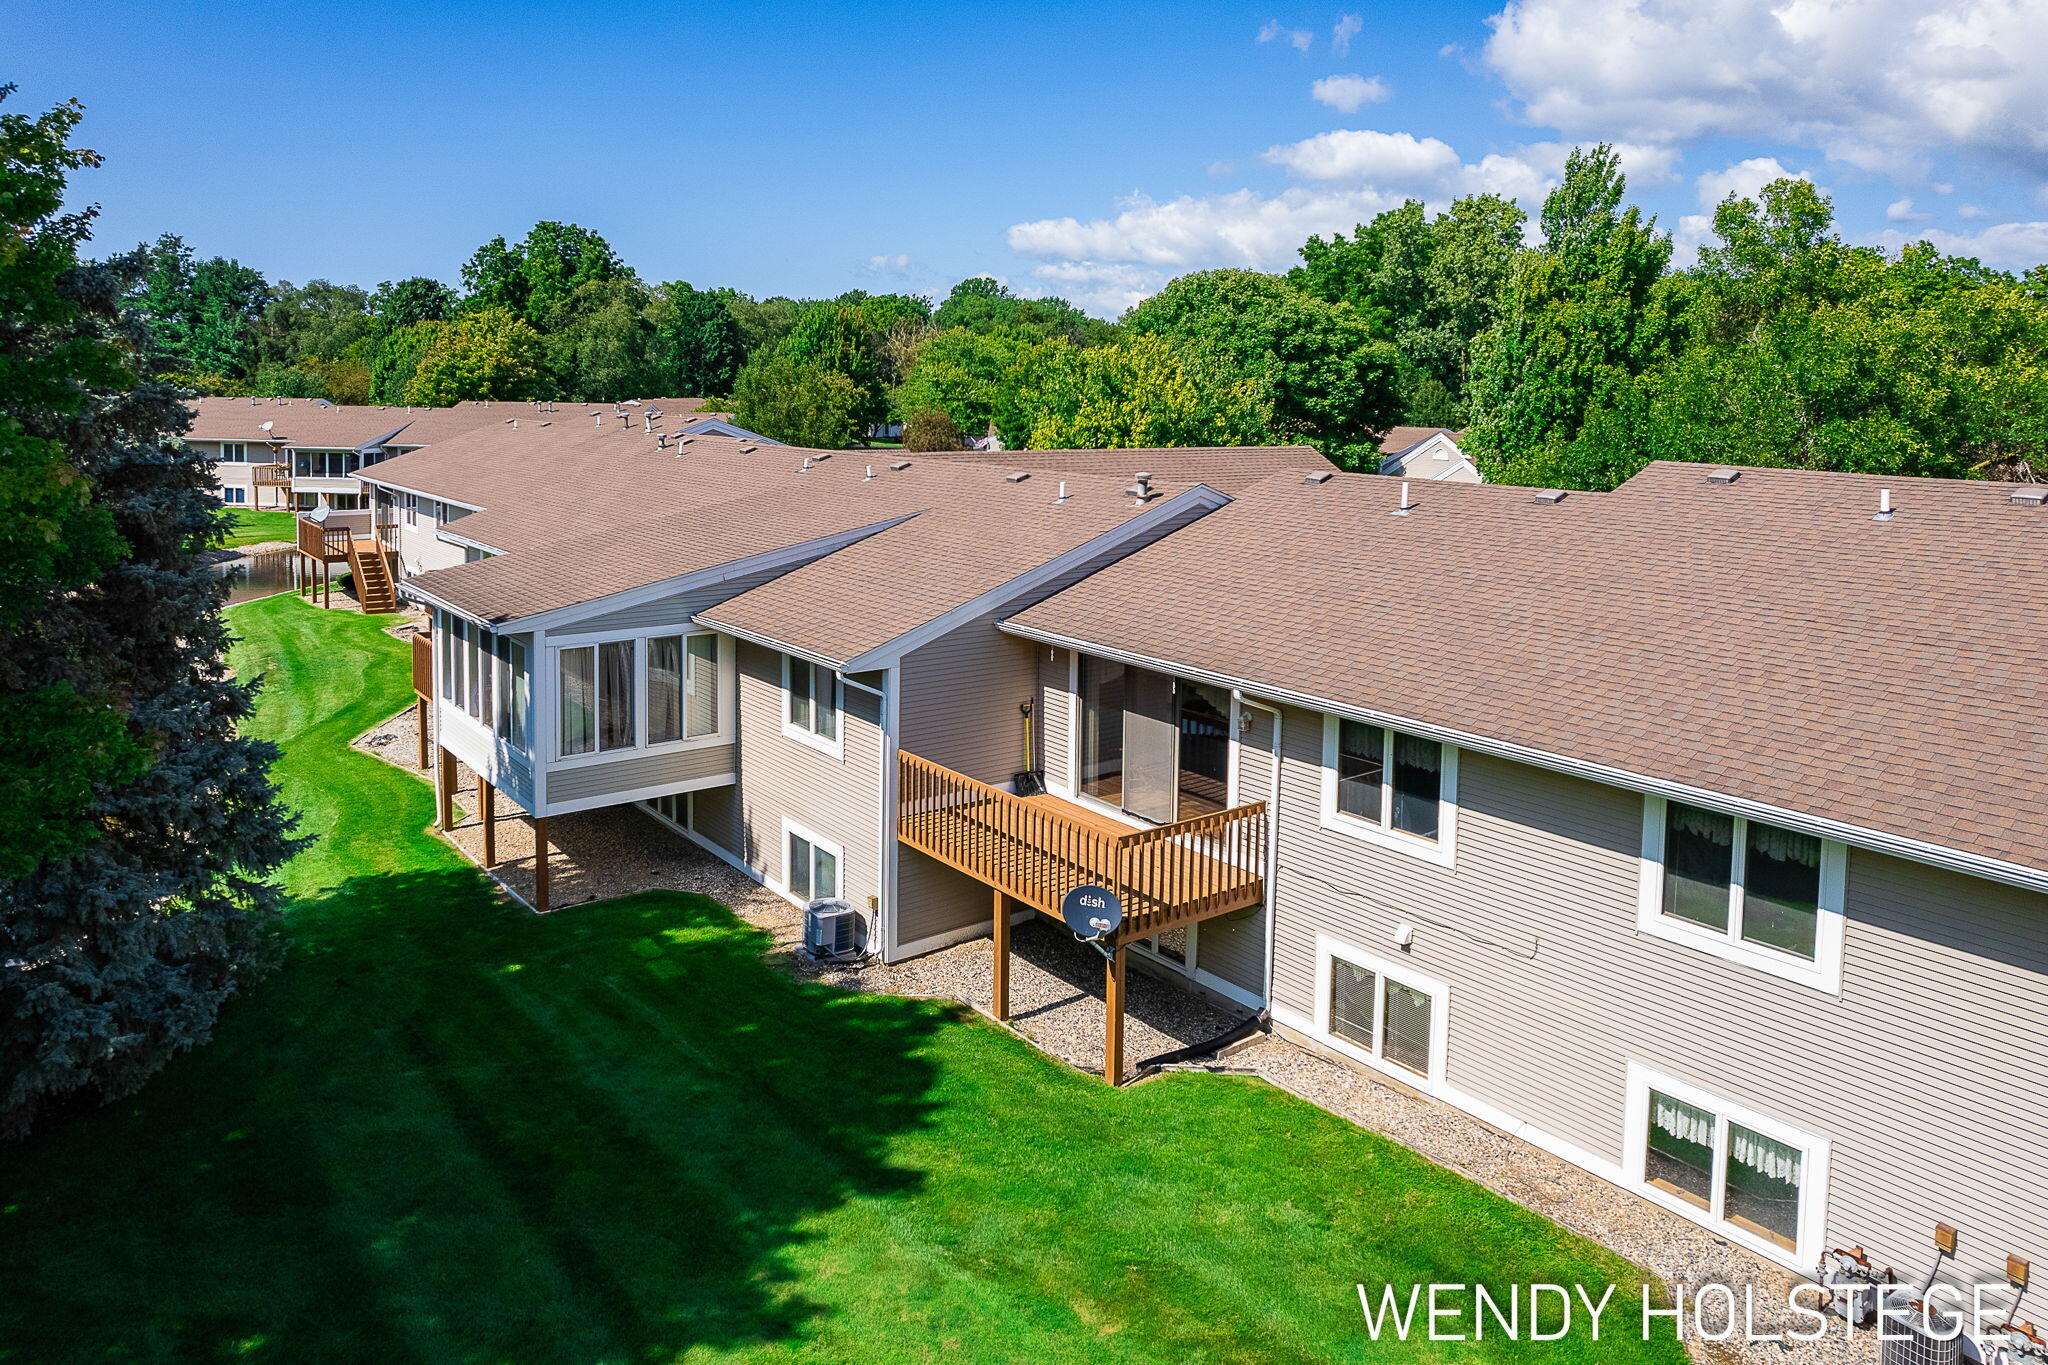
x=367 y=477
x=1898 y=846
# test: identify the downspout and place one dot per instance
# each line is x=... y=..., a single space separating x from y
x=1272 y=839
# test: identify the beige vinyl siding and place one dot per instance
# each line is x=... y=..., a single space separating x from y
x=674 y=769
x=839 y=799
x=934 y=899
x=961 y=691
x=1233 y=947
x=1055 y=714
x=719 y=815
x=1553 y=991
x=672 y=610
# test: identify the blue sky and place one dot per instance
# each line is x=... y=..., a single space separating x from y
x=1087 y=150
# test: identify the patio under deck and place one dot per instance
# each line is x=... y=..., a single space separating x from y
x=1036 y=849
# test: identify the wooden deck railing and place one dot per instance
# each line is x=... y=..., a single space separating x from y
x=423 y=664
x=1166 y=876
x=323 y=542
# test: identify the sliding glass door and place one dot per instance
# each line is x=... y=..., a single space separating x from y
x=1154 y=746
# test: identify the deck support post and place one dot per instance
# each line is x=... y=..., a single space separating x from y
x=1113 y=1019
x=540 y=863
x=487 y=802
x=447 y=790
x=420 y=711
x=1001 y=975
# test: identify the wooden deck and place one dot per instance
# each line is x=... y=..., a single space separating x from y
x=1038 y=848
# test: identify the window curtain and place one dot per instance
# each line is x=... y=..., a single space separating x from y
x=702 y=687
x=615 y=693
x=1682 y=1120
x=664 y=689
x=579 y=700
x=1765 y=1156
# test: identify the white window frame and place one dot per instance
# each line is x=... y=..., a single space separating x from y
x=1329 y=948
x=1442 y=850
x=834 y=747
x=240 y=449
x=1813 y=1165
x=409 y=505
x=1822 y=972
x=728 y=688
x=817 y=842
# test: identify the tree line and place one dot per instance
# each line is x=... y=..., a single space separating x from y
x=1569 y=350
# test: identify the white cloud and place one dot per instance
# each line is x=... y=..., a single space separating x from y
x=1297 y=38
x=1430 y=168
x=1876 y=83
x=2008 y=246
x=1189 y=233
x=1401 y=160
x=1347 y=94
x=892 y=264
x=1744 y=179
x=1970 y=213
x=1347 y=27
x=1901 y=211
x=1104 y=289
x=1360 y=174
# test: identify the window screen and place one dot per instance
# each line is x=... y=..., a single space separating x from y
x=1352 y=998
x=1406 y=1030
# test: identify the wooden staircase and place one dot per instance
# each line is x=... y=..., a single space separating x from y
x=374 y=588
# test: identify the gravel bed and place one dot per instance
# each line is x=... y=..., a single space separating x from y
x=1056 y=1003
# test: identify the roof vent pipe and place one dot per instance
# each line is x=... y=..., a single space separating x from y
x=649 y=414
x=806 y=466
x=596 y=419
x=1141 y=487
x=1884 y=505
x=1063 y=492
x=1407 y=503
x=868 y=475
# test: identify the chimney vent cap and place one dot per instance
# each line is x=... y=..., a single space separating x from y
x=1552 y=496
x=2036 y=496
x=1319 y=476
x=1017 y=477
x=1723 y=475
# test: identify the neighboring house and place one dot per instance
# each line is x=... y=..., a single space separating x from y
x=304 y=453
x=1699 y=839
x=746 y=645
x=1430 y=453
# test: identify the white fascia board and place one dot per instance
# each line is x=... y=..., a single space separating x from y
x=883 y=655
x=456 y=538
x=410 y=587
x=791 y=555
x=367 y=477
x=1878 y=841
x=769 y=642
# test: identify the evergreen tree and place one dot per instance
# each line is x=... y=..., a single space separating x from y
x=135 y=899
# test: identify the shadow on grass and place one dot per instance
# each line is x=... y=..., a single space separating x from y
x=452 y=1132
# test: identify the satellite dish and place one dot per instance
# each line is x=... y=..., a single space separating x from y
x=266 y=426
x=1092 y=911
x=318 y=516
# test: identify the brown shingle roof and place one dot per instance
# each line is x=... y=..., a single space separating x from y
x=584 y=512
x=1228 y=468
x=1400 y=440
x=1764 y=640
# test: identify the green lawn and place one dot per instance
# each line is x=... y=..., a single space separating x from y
x=454 y=1132
x=253 y=527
